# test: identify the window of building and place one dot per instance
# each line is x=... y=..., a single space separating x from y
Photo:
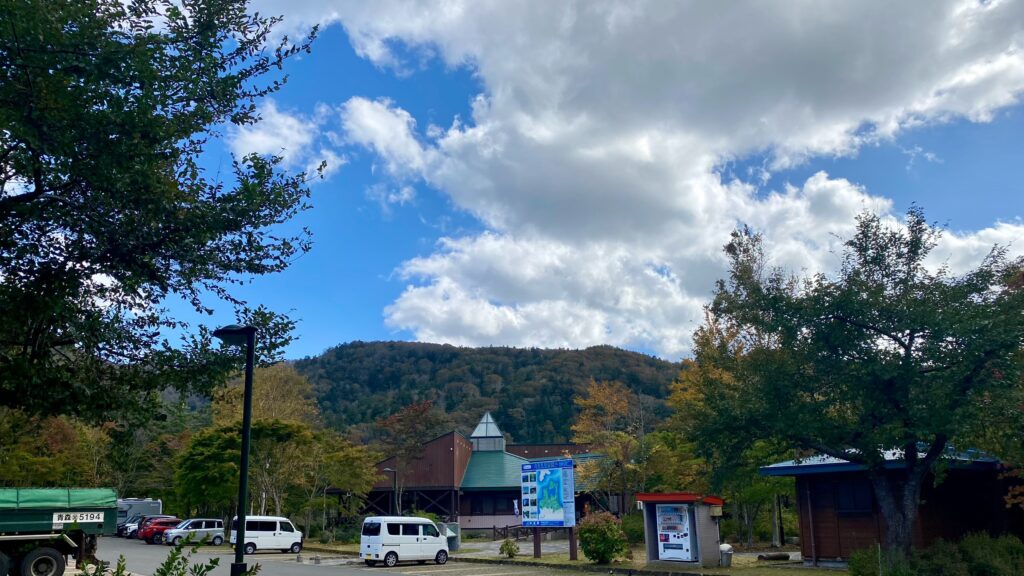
x=854 y=497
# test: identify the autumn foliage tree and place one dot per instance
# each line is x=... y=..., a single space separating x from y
x=889 y=357
x=615 y=422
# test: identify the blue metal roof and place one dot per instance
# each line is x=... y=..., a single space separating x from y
x=822 y=464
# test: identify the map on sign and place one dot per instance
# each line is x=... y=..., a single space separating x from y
x=548 y=494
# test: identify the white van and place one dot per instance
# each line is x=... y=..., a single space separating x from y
x=268 y=533
x=390 y=539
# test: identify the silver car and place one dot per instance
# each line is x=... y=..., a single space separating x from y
x=210 y=529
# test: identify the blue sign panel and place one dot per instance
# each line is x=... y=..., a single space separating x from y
x=548 y=496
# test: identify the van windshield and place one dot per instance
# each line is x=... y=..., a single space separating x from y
x=371 y=528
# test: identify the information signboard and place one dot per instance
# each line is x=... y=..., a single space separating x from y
x=549 y=494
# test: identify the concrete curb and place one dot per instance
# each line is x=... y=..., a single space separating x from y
x=582 y=567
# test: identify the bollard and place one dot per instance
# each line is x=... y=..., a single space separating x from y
x=298 y=558
x=316 y=559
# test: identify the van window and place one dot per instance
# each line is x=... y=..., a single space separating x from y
x=430 y=530
x=394 y=529
x=371 y=529
x=260 y=526
x=287 y=527
x=410 y=529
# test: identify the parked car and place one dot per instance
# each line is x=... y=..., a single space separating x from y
x=268 y=533
x=153 y=531
x=133 y=531
x=209 y=529
x=130 y=522
x=391 y=539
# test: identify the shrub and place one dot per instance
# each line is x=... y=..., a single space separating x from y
x=987 y=556
x=866 y=562
x=633 y=528
x=941 y=559
x=424 y=514
x=509 y=548
x=601 y=537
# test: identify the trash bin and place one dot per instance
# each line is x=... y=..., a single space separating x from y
x=726 y=555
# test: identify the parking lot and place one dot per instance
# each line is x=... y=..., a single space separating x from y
x=142 y=559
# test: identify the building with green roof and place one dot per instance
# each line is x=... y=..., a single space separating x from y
x=474 y=480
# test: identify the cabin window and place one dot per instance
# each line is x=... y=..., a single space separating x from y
x=410 y=529
x=395 y=529
x=371 y=529
x=854 y=498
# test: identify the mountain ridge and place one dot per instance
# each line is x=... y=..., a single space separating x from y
x=529 y=390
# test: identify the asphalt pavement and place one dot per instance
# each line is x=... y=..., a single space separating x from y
x=142 y=560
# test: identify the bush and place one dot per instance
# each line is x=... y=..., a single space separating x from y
x=633 y=528
x=941 y=559
x=987 y=556
x=424 y=514
x=509 y=548
x=601 y=537
x=866 y=562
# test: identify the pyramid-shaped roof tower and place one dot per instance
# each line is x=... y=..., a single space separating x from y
x=487 y=428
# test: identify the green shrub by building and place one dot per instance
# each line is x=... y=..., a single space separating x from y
x=975 y=555
x=633 y=528
x=601 y=537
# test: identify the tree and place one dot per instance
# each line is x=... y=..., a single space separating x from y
x=403 y=434
x=714 y=463
x=105 y=209
x=615 y=422
x=885 y=358
x=278 y=393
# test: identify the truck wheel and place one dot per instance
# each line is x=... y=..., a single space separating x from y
x=250 y=548
x=217 y=540
x=390 y=559
x=42 y=562
x=296 y=548
x=442 y=557
x=5 y=564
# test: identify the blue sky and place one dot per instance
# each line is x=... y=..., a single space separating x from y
x=563 y=176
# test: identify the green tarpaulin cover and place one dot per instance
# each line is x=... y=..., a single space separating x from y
x=28 y=498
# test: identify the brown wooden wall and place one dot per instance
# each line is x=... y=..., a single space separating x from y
x=966 y=501
x=442 y=464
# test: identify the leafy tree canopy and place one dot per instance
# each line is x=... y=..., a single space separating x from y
x=105 y=210
x=889 y=354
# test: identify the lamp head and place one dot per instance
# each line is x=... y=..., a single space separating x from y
x=234 y=335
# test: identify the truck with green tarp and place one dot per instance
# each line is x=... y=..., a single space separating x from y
x=41 y=527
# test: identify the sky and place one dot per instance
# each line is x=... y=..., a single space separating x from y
x=565 y=174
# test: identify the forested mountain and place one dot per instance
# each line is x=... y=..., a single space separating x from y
x=529 y=390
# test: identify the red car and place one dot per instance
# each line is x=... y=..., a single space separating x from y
x=154 y=531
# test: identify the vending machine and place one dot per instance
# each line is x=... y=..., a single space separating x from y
x=674 y=531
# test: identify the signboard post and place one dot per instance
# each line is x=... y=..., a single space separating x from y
x=548 y=497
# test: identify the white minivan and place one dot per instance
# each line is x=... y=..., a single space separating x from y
x=268 y=533
x=390 y=539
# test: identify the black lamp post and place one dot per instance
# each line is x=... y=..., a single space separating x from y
x=394 y=489
x=235 y=335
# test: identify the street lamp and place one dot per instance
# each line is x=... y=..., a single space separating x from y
x=235 y=335
x=394 y=489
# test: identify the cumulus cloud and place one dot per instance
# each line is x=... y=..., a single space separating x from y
x=299 y=140
x=594 y=153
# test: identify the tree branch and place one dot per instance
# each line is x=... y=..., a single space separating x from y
x=874 y=329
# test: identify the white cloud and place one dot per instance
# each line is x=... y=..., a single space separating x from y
x=594 y=153
x=297 y=139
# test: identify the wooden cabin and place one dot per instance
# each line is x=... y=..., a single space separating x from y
x=838 y=512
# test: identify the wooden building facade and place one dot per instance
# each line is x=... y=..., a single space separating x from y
x=838 y=512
